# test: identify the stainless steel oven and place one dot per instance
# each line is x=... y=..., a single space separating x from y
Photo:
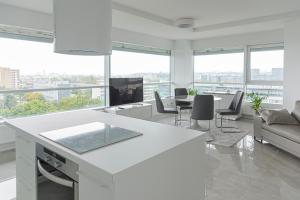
x=57 y=176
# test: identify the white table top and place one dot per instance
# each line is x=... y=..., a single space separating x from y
x=110 y=160
x=189 y=98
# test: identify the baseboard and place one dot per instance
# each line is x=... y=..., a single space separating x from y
x=7 y=146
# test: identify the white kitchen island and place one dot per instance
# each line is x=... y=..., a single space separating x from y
x=165 y=163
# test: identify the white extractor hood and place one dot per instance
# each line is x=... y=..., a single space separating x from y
x=82 y=27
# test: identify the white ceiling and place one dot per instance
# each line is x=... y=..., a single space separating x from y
x=213 y=17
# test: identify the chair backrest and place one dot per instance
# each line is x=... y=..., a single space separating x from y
x=236 y=103
x=159 y=104
x=181 y=92
x=203 y=108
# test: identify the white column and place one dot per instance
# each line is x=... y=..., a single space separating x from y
x=292 y=63
x=182 y=56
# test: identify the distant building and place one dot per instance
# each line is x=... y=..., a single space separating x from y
x=9 y=78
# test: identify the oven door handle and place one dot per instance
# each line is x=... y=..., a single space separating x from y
x=53 y=178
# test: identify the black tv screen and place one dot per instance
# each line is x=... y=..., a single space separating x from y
x=125 y=91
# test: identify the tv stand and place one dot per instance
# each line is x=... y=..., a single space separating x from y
x=135 y=110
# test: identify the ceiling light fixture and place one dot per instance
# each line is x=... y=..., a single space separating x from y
x=185 y=23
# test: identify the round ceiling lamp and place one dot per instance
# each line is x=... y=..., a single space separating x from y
x=185 y=23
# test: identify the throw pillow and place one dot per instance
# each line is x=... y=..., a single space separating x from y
x=296 y=111
x=278 y=117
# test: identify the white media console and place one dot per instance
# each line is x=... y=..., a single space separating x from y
x=136 y=110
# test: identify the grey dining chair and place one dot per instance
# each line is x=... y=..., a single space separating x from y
x=181 y=105
x=203 y=108
x=161 y=108
x=233 y=109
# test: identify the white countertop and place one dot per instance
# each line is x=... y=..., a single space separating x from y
x=157 y=138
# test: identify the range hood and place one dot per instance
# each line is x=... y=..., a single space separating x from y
x=82 y=27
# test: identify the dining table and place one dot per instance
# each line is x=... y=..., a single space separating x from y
x=190 y=99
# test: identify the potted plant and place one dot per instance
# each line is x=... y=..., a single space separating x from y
x=256 y=101
x=192 y=92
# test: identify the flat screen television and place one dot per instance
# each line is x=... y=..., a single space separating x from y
x=125 y=91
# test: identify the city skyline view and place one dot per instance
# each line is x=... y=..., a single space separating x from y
x=40 y=68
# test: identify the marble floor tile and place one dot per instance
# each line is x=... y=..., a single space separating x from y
x=249 y=170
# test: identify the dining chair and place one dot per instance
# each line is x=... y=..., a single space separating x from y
x=181 y=104
x=203 y=109
x=161 y=108
x=234 y=109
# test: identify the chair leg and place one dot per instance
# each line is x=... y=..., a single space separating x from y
x=237 y=130
x=180 y=116
x=224 y=127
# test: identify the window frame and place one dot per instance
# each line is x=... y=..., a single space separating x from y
x=217 y=52
x=262 y=47
x=247 y=64
x=19 y=33
x=117 y=46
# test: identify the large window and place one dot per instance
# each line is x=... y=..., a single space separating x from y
x=155 y=70
x=260 y=71
x=34 y=80
x=219 y=71
x=266 y=64
x=265 y=72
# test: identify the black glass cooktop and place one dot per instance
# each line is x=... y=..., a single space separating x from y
x=88 y=137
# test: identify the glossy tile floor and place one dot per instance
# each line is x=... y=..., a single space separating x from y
x=249 y=170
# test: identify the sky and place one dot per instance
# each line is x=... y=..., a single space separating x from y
x=264 y=60
x=129 y=63
x=33 y=58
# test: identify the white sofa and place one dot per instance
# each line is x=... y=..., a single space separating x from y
x=286 y=137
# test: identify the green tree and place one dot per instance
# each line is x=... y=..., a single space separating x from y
x=34 y=96
x=10 y=101
x=35 y=103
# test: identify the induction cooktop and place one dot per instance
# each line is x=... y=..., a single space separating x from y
x=88 y=137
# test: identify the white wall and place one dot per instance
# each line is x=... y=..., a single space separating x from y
x=183 y=70
x=292 y=63
x=241 y=40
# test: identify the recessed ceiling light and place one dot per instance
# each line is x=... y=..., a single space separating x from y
x=185 y=23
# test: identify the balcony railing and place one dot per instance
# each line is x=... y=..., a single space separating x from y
x=27 y=102
x=274 y=94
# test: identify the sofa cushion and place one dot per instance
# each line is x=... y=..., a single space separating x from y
x=291 y=132
x=278 y=117
x=296 y=111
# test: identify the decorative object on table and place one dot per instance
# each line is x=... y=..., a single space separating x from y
x=192 y=92
x=256 y=101
x=182 y=105
x=233 y=109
